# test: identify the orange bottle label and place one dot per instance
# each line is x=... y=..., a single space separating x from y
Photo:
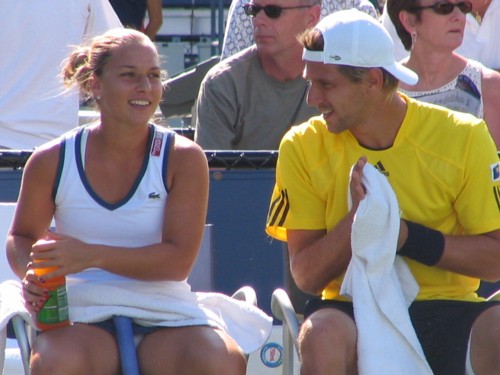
x=55 y=308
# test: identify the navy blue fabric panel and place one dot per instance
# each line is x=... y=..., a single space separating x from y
x=130 y=12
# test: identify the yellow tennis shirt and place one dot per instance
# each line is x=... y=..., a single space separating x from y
x=443 y=167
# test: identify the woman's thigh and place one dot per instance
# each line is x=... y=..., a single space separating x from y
x=77 y=349
x=190 y=350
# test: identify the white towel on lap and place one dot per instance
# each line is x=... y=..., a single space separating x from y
x=170 y=304
x=148 y=303
x=381 y=286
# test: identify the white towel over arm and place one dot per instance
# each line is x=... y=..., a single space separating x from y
x=381 y=286
x=11 y=304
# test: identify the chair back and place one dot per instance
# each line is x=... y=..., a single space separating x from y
x=201 y=277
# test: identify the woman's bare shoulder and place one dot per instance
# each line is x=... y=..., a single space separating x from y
x=490 y=77
x=490 y=88
x=45 y=158
x=185 y=150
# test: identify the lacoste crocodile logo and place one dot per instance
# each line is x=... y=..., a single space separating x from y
x=154 y=195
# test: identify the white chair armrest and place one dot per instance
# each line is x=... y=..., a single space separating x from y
x=246 y=293
x=22 y=332
x=283 y=310
x=495 y=296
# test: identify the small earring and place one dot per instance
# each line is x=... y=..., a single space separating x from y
x=413 y=39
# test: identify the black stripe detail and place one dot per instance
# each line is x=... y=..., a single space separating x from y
x=496 y=193
x=270 y=221
x=280 y=206
x=285 y=209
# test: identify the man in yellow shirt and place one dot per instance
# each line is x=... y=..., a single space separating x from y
x=444 y=169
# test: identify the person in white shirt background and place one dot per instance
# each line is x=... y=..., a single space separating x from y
x=36 y=37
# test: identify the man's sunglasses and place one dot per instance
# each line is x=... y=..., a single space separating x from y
x=272 y=11
x=445 y=7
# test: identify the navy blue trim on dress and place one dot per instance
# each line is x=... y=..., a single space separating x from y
x=168 y=141
x=59 y=170
x=88 y=188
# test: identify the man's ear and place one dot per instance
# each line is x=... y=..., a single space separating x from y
x=374 y=78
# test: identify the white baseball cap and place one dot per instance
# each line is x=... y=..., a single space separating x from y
x=354 y=38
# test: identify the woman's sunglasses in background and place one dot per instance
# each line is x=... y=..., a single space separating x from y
x=446 y=7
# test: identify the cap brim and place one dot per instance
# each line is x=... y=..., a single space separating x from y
x=402 y=73
x=316 y=56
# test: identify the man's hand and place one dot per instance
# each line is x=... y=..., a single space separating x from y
x=358 y=191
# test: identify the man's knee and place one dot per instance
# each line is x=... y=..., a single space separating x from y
x=327 y=341
x=325 y=329
x=485 y=342
x=487 y=326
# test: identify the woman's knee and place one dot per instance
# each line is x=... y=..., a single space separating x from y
x=219 y=354
x=74 y=351
x=198 y=350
